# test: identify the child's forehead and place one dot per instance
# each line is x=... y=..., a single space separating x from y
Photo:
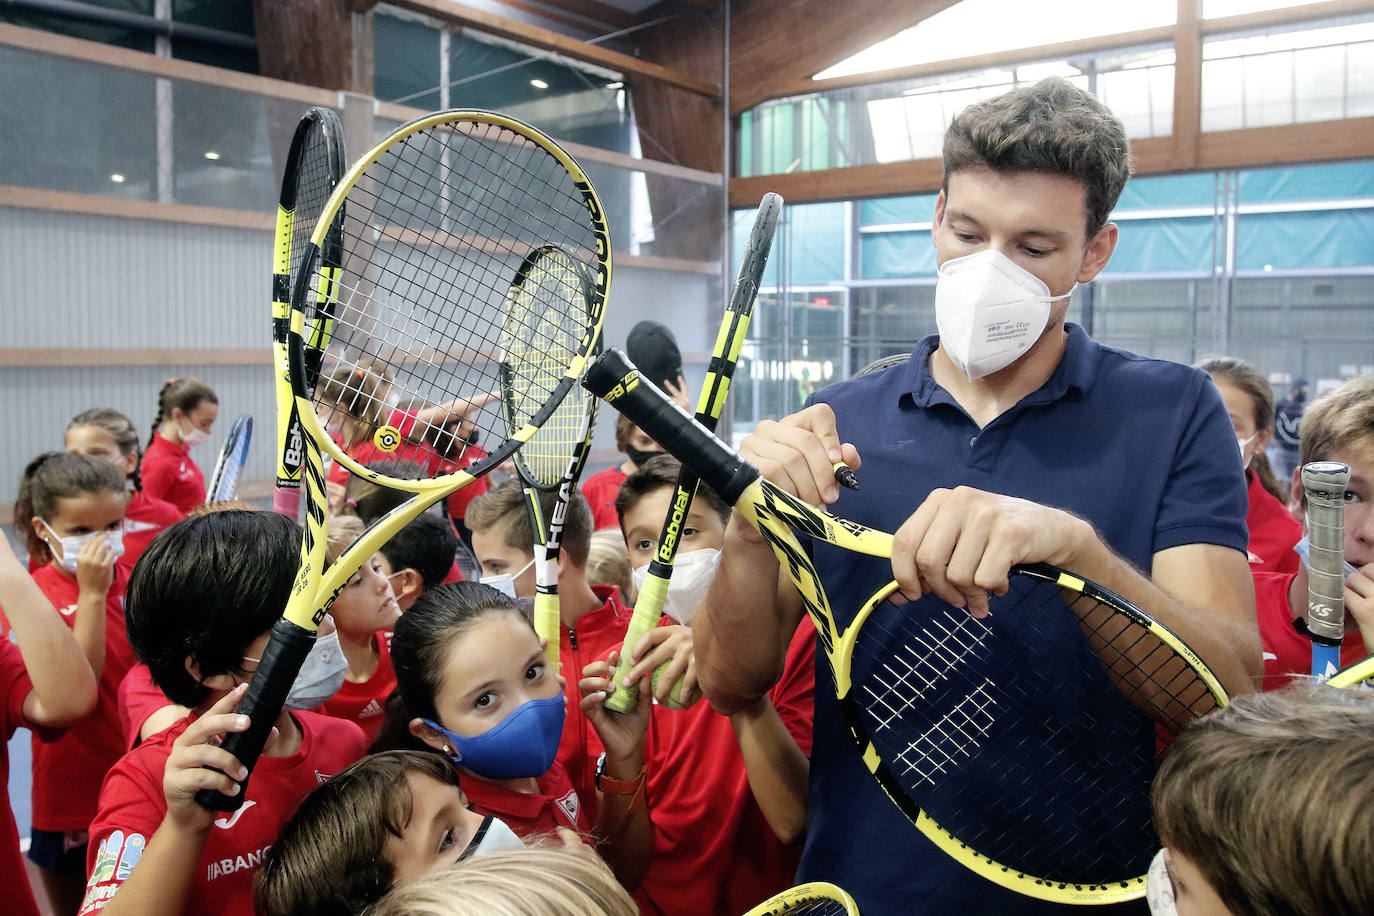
x=489 y=647
x=1359 y=455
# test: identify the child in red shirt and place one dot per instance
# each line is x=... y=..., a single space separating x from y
x=72 y=512
x=745 y=775
x=364 y=613
x=475 y=686
x=1250 y=403
x=1339 y=426
x=201 y=605
x=186 y=410
x=46 y=683
x=105 y=433
x=384 y=822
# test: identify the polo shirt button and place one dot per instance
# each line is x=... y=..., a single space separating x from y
x=973 y=441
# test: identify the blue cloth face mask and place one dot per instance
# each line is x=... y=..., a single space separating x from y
x=523 y=744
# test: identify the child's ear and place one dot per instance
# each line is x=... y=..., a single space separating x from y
x=430 y=735
x=224 y=681
x=407 y=584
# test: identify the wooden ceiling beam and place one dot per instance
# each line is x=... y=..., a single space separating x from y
x=577 y=13
x=1254 y=147
x=774 y=43
x=990 y=61
x=460 y=14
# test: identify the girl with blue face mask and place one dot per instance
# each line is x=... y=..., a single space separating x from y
x=475 y=687
x=70 y=509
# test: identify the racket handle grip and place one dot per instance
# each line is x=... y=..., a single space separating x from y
x=1324 y=484
x=648 y=610
x=287 y=501
x=616 y=380
x=286 y=650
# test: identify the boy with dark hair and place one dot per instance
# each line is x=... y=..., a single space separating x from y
x=419 y=557
x=1004 y=439
x=1339 y=426
x=1266 y=806
x=200 y=607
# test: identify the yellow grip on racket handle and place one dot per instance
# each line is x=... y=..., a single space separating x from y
x=547 y=625
x=616 y=380
x=655 y=590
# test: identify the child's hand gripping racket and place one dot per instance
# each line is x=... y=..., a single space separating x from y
x=734 y=328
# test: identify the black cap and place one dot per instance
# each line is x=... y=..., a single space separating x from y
x=653 y=349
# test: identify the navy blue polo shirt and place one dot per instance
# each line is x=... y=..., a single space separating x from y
x=1142 y=448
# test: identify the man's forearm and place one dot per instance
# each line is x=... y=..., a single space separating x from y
x=740 y=635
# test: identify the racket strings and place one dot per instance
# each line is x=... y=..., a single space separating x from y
x=1148 y=672
x=436 y=229
x=1021 y=750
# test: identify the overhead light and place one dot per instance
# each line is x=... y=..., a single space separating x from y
x=539 y=84
x=211 y=154
x=117 y=178
x=616 y=85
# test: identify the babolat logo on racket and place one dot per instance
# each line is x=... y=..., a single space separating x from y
x=682 y=501
x=627 y=384
x=387 y=438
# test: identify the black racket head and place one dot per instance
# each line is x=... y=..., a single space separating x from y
x=438 y=219
x=1024 y=735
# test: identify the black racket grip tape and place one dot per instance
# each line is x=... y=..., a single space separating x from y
x=614 y=379
x=286 y=650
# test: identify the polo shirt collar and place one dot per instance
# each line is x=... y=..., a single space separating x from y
x=1077 y=370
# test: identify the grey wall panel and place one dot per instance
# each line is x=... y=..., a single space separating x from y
x=72 y=280
x=42 y=400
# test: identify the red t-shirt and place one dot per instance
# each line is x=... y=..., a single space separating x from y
x=366 y=451
x=363 y=702
x=714 y=851
x=556 y=804
x=67 y=771
x=132 y=806
x=145 y=517
x=1286 y=651
x=169 y=473
x=15 y=688
x=458 y=502
x=139 y=698
x=1273 y=531
x=600 y=491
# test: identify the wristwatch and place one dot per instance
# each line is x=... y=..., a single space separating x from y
x=608 y=785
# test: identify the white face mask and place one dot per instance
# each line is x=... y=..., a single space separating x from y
x=494 y=834
x=1244 y=444
x=692 y=575
x=1159 y=890
x=71 y=546
x=321 y=675
x=194 y=437
x=505 y=582
x=990 y=311
x=1303 y=549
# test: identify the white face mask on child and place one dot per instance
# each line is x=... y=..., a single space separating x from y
x=71 y=546
x=494 y=834
x=1159 y=890
x=505 y=582
x=693 y=573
